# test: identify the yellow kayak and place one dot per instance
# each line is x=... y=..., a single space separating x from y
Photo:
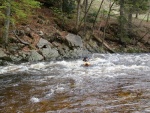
x=86 y=64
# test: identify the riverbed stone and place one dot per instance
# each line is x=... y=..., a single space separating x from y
x=35 y=56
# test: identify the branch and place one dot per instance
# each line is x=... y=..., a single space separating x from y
x=26 y=43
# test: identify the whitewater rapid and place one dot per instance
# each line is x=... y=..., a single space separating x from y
x=113 y=83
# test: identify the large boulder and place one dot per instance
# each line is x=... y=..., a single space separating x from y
x=76 y=53
x=2 y=53
x=49 y=53
x=74 y=40
x=4 y=56
x=42 y=43
x=35 y=56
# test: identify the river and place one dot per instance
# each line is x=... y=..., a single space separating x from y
x=114 y=83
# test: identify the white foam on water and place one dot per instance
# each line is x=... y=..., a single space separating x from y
x=13 y=68
x=38 y=65
x=100 y=63
x=35 y=100
x=70 y=76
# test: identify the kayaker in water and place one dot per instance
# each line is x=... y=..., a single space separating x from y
x=86 y=63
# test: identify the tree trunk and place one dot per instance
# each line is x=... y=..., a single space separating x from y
x=97 y=13
x=121 y=20
x=85 y=19
x=7 y=23
x=86 y=12
x=136 y=14
x=104 y=33
x=78 y=13
x=130 y=21
x=148 y=15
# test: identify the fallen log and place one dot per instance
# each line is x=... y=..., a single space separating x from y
x=22 y=41
x=104 y=43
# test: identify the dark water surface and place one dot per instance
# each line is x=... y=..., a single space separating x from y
x=114 y=83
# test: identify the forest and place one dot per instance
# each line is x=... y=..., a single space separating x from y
x=104 y=25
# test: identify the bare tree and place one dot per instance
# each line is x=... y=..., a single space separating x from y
x=106 y=25
x=7 y=22
x=85 y=18
x=85 y=13
x=97 y=13
x=78 y=13
x=121 y=20
x=148 y=15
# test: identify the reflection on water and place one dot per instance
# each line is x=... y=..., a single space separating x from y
x=113 y=84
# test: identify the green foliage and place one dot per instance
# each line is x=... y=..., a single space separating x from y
x=126 y=39
x=68 y=6
x=104 y=12
x=56 y=11
x=122 y=19
x=13 y=10
x=1 y=40
x=134 y=50
x=19 y=9
x=140 y=5
x=2 y=15
x=91 y=17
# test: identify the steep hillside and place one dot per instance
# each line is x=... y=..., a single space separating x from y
x=45 y=35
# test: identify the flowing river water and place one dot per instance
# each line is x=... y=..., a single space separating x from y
x=114 y=83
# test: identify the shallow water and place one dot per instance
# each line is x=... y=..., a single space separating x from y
x=114 y=83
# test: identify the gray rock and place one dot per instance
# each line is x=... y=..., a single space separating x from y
x=89 y=48
x=74 y=40
x=35 y=56
x=85 y=53
x=24 y=55
x=94 y=45
x=13 y=48
x=42 y=42
x=61 y=51
x=78 y=52
x=27 y=30
x=49 y=53
x=2 y=53
x=41 y=33
x=16 y=58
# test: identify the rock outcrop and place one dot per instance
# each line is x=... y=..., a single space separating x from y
x=37 y=47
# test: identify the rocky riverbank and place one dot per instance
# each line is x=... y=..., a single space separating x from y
x=35 y=48
x=42 y=38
